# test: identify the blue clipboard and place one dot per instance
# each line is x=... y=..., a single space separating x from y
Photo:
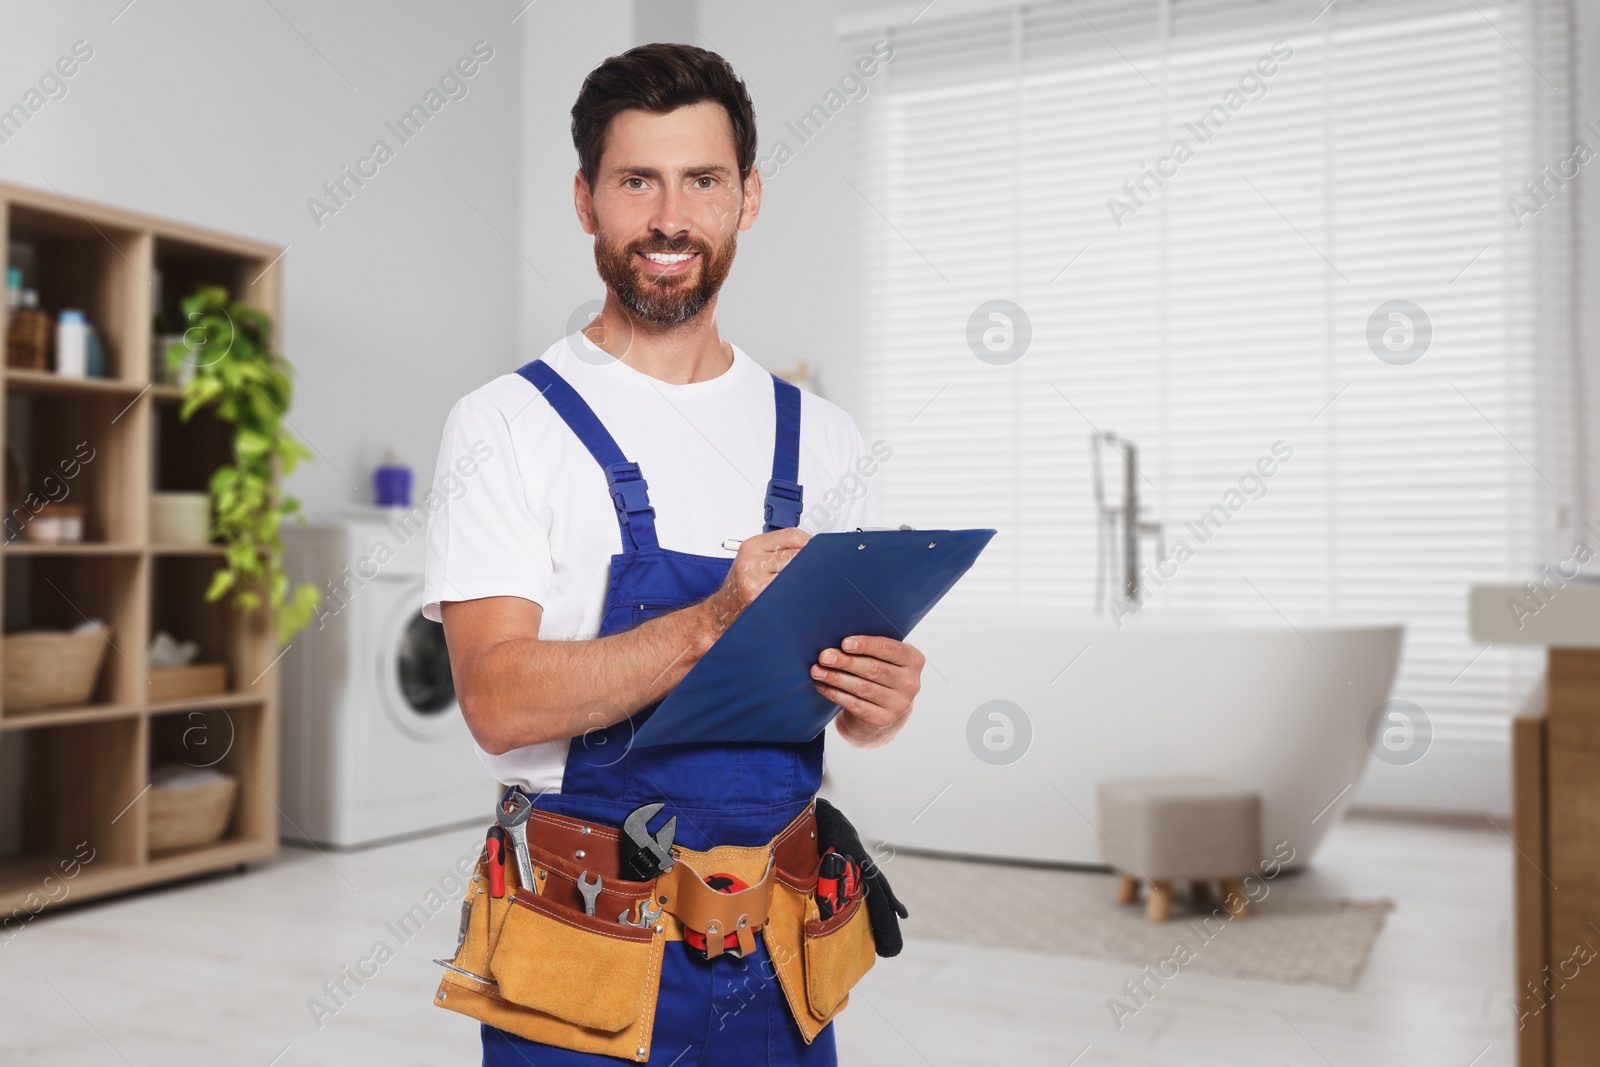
x=755 y=682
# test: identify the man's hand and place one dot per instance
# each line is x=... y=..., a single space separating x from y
x=874 y=680
x=518 y=690
x=759 y=560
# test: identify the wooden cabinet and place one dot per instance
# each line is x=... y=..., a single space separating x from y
x=73 y=780
x=1556 y=790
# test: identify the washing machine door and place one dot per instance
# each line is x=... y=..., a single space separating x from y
x=414 y=682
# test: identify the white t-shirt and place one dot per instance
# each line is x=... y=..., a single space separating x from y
x=519 y=507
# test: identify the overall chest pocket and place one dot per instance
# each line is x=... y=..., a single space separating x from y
x=639 y=611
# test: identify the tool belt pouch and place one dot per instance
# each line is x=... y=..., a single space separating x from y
x=484 y=922
x=588 y=971
x=549 y=973
x=838 y=951
x=818 y=962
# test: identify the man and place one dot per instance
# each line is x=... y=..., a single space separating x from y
x=570 y=611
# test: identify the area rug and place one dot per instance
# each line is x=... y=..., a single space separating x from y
x=1285 y=938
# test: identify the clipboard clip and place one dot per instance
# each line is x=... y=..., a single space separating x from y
x=732 y=544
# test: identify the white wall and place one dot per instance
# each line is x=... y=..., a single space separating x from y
x=1586 y=108
x=232 y=116
x=788 y=296
x=563 y=42
x=791 y=294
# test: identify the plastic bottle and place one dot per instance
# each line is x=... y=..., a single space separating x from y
x=13 y=292
x=72 y=344
x=391 y=482
x=94 y=360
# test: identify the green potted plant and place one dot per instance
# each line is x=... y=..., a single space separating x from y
x=236 y=373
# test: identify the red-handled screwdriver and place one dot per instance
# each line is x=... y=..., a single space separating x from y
x=832 y=878
x=496 y=845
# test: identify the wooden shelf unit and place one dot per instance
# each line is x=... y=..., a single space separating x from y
x=79 y=774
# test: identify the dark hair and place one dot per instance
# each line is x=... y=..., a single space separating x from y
x=660 y=78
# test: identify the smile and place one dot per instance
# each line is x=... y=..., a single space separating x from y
x=665 y=264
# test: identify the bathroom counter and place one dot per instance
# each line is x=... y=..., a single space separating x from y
x=1556 y=616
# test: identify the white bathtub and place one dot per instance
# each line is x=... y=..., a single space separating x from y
x=1279 y=711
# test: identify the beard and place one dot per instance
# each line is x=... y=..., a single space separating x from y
x=664 y=301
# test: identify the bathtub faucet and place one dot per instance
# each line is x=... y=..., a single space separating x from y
x=1120 y=525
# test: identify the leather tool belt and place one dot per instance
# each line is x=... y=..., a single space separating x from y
x=535 y=964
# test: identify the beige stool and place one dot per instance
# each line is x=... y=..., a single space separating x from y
x=1194 y=829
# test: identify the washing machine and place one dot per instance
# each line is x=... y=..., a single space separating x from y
x=374 y=745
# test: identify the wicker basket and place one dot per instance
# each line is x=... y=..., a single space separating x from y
x=29 y=339
x=186 y=816
x=46 y=669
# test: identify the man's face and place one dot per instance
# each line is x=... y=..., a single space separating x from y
x=666 y=210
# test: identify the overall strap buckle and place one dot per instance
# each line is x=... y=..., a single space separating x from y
x=630 y=495
x=635 y=517
x=785 y=500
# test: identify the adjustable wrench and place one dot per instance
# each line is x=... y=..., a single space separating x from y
x=645 y=855
x=515 y=822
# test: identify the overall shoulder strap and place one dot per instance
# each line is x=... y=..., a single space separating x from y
x=785 y=496
x=628 y=489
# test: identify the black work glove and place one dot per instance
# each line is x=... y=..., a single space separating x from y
x=834 y=831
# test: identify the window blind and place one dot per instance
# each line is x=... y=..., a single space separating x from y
x=1228 y=310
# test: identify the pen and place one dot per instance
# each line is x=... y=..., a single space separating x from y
x=731 y=544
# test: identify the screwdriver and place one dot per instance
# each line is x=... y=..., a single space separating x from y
x=833 y=871
x=496 y=845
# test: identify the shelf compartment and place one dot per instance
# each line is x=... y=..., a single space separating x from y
x=45 y=592
x=102 y=269
x=82 y=448
x=230 y=737
x=186 y=454
x=70 y=792
x=178 y=606
x=182 y=267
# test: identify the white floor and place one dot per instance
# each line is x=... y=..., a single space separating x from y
x=221 y=970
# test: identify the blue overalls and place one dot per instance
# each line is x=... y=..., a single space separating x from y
x=727 y=1010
